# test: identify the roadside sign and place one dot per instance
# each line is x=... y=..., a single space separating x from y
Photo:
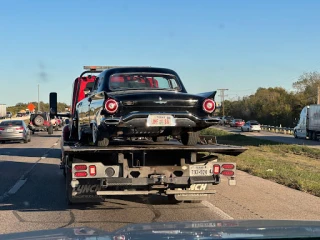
x=31 y=107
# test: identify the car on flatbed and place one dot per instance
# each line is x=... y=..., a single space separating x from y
x=137 y=167
x=143 y=102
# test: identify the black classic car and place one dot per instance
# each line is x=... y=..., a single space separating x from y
x=143 y=102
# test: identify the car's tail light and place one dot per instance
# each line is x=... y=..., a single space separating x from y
x=227 y=173
x=111 y=105
x=80 y=174
x=228 y=166
x=1 y=129
x=92 y=170
x=19 y=128
x=216 y=169
x=80 y=167
x=209 y=105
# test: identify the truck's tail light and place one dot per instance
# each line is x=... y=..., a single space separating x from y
x=92 y=170
x=216 y=169
x=227 y=173
x=209 y=105
x=80 y=174
x=80 y=167
x=111 y=105
x=228 y=166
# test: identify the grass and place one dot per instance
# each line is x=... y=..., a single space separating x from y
x=294 y=166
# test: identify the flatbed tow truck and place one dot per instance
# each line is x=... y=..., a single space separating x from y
x=141 y=167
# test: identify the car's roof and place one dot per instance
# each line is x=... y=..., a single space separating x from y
x=141 y=69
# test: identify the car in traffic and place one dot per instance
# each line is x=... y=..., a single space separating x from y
x=226 y=120
x=237 y=123
x=14 y=130
x=143 y=102
x=9 y=115
x=41 y=122
x=251 y=126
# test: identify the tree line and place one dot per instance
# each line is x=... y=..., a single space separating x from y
x=44 y=107
x=276 y=105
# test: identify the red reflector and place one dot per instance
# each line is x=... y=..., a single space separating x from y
x=227 y=173
x=80 y=174
x=216 y=169
x=92 y=170
x=228 y=166
x=80 y=167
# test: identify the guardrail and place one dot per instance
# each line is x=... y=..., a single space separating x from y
x=275 y=129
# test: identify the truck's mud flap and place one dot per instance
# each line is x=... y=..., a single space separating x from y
x=85 y=190
x=193 y=196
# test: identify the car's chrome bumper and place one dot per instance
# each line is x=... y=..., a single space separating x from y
x=139 y=119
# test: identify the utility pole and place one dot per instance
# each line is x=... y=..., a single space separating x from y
x=318 y=95
x=38 y=98
x=222 y=96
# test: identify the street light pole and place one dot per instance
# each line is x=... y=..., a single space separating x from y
x=38 y=98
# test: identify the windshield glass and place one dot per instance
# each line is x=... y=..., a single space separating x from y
x=143 y=81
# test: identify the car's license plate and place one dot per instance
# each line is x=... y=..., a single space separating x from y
x=199 y=170
x=9 y=130
x=160 y=121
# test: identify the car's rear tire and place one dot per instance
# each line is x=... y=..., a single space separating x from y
x=159 y=139
x=99 y=139
x=50 y=130
x=189 y=138
x=102 y=140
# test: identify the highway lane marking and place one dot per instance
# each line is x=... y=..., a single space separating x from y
x=17 y=186
x=23 y=179
x=217 y=210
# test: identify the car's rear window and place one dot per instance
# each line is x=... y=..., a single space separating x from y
x=143 y=81
x=255 y=123
x=13 y=123
x=238 y=120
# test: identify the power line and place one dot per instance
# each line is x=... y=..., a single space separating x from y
x=222 y=96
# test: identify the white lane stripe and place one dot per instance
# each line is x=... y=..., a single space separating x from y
x=17 y=186
x=217 y=211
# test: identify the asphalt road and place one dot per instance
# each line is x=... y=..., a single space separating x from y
x=32 y=197
x=277 y=137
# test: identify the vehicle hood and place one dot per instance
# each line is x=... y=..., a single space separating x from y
x=227 y=229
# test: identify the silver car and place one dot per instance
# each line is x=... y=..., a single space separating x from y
x=14 y=130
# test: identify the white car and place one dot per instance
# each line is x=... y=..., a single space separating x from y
x=251 y=126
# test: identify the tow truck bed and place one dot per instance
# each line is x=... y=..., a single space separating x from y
x=138 y=146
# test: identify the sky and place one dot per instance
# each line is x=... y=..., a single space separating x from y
x=211 y=44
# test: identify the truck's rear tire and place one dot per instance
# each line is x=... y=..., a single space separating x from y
x=314 y=136
x=158 y=139
x=69 y=199
x=50 y=130
x=189 y=138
